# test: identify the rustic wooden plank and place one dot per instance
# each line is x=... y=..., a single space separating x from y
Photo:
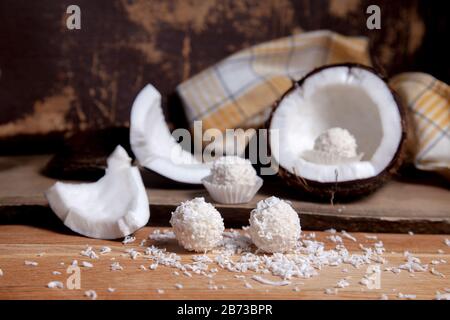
x=20 y=243
x=398 y=206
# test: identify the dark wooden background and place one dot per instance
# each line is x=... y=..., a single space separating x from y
x=54 y=81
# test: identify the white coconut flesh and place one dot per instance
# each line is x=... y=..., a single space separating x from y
x=113 y=207
x=350 y=98
x=154 y=146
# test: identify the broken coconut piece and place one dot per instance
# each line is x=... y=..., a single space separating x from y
x=154 y=146
x=350 y=97
x=113 y=207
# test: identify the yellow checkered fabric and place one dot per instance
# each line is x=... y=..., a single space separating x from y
x=428 y=100
x=238 y=92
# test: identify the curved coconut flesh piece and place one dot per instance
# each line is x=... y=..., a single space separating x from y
x=113 y=207
x=153 y=145
x=349 y=96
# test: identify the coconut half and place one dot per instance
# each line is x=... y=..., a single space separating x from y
x=154 y=146
x=350 y=98
x=113 y=207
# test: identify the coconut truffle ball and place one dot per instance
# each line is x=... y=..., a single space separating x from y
x=197 y=225
x=274 y=225
x=232 y=170
x=336 y=141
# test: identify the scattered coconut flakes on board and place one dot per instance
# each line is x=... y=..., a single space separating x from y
x=55 y=284
x=31 y=263
x=87 y=264
x=129 y=239
x=270 y=282
x=111 y=290
x=91 y=294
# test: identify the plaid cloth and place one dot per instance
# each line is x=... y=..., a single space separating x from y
x=428 y=100
x=238 y=92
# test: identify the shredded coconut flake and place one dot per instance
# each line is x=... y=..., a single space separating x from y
x=89 y=252
x=347 y=235
x=437 y=273
x=406 y=296
x=55 y=284
x=179 y=286
x=91 y=294
x=129 y=239
x=105 y=250
x=31 y=263
x=166 y=235
x=115 y=266
x=270 y=282
x=87 y=264
x=343 y=283
x=331 y=291
x=442 y=296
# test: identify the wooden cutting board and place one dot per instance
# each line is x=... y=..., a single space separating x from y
x=55 y=249
x=420 y=205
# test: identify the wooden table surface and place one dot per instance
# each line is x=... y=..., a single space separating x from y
x=52 y=246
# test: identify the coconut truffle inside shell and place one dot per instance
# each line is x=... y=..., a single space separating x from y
x=198 y=226
x=336 y=141
x=232 y=170
x=274 y=225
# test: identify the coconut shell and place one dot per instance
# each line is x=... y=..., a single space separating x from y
x=347 y=190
